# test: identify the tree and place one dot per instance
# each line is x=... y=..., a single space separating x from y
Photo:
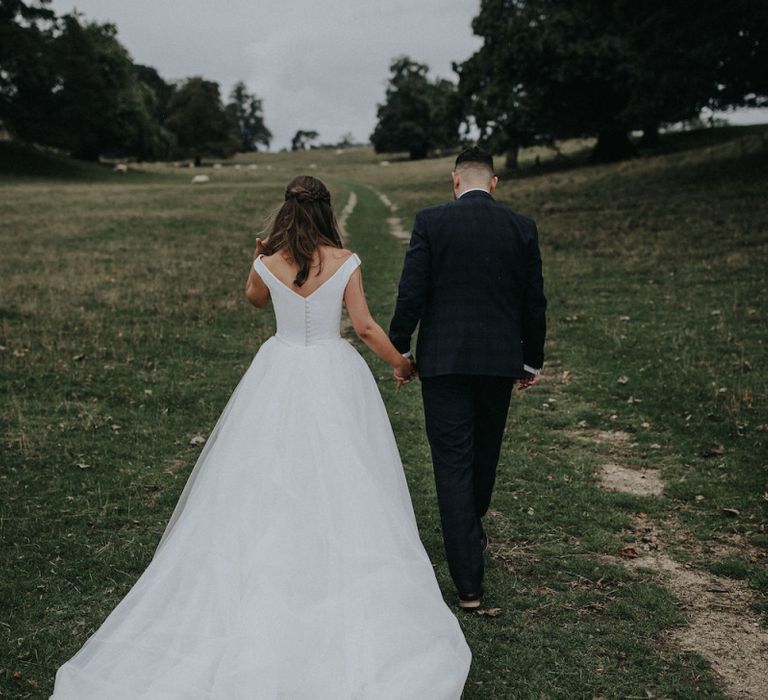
x=499 y=110
x=731 y=41
x=161 y=90
x=346 y=140
x=301 y=139
x=683 y=62
x=552 y=70
x=418 y=115
x=144 y=136
x=26 y=68
x=200 y=122
x=246 y=110
x=558 y=69
x=100 y=107
x=72 y=85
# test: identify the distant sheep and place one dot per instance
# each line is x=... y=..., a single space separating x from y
x=121 y=168
x=200 y=179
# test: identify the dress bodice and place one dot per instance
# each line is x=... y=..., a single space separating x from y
x=311 y=319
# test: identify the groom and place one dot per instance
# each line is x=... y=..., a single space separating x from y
x=472 y=281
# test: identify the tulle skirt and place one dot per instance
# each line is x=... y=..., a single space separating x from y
x=291 y=567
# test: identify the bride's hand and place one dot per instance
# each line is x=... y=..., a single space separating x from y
x=261 y=246
x=405 y=372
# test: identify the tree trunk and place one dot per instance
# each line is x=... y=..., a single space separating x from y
x=87 y=151
x=650 y=135
x=417 y=153
x=510 y=160
x=612 y=145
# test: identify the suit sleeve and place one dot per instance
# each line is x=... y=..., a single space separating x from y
x=534 y=325
x=412 y=291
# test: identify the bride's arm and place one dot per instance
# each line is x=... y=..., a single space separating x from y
x=255 y=289
x=366 y=327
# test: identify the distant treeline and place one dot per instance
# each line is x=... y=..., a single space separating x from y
x=556 y=69
x=547 y=70
x=69 y=83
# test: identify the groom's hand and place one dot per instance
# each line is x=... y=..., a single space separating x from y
x=261 y=246
x=529 y=379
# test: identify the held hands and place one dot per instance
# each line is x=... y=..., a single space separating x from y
x=405 y=372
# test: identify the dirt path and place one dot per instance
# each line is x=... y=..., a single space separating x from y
x=346 y=212
x=395 y=222
x=722 y=626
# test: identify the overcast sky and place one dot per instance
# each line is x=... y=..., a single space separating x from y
x=317 y=65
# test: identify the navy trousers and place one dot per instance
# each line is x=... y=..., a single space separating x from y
x=465 y=417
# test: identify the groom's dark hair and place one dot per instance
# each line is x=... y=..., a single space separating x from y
x=474 y=157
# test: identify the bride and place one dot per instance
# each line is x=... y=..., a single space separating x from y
x=291 y=567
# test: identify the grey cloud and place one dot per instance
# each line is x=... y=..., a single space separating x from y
x=317 y=65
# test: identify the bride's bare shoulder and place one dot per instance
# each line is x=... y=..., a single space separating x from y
x=332 y=253
x=269 y=259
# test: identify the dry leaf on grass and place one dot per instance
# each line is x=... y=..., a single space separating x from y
x=714 y=452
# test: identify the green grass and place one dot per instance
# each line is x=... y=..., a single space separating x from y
x=124 y=329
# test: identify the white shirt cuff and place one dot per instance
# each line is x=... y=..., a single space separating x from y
x=530 y=369
x=407 y=354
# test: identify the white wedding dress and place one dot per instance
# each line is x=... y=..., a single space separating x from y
x=291 y=567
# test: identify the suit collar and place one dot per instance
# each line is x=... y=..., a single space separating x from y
x=468 y=194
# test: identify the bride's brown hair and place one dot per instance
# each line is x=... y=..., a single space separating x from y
x=304 y=222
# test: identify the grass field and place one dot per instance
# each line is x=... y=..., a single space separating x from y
x=124 y=328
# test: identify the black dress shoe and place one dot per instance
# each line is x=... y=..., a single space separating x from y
x=470 y=601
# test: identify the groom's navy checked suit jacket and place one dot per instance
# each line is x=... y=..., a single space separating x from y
x=472 y=281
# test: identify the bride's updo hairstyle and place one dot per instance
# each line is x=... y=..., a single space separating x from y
x=304 y=222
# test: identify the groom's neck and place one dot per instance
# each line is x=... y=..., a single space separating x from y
x=485 y=188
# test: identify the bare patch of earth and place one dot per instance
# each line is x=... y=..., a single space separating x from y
x=174 y=465
x=641 y=482
x=614 y=438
